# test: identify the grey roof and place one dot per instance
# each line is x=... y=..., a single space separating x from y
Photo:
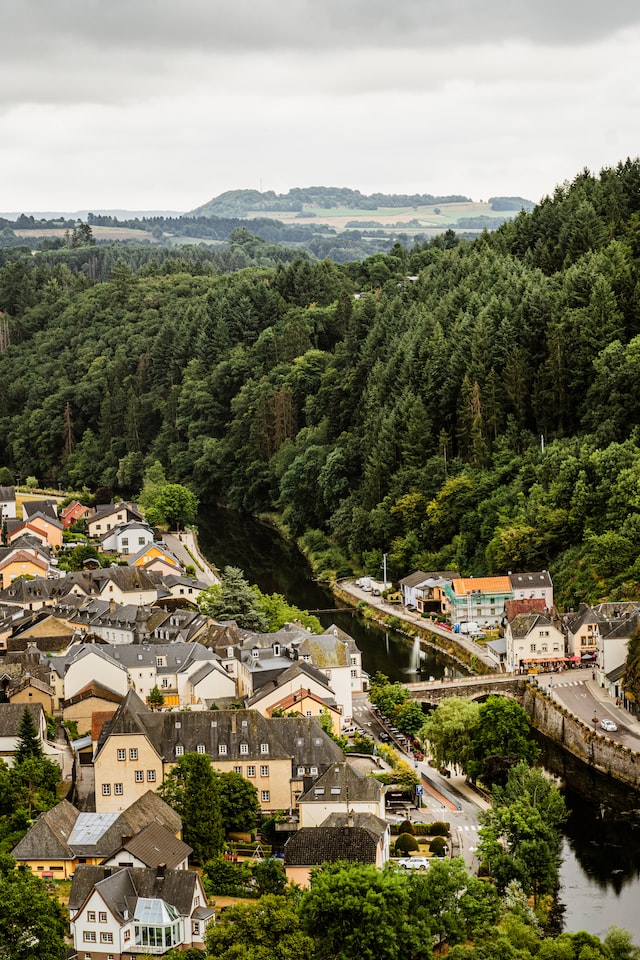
x=368 y=821
x=298 y=739
x=122 y=888
x=11 y=715
x=520 y=581
x=48 y=508
x=523 y=623
x=415 y=579
x=326 y=650
x=7 y=494
x=297 y=669
x=49 y=836
x=341 y=783
x=311 y=846
x=64 y=833
x=156 y=846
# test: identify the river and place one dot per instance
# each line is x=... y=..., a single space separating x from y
x=600 y=874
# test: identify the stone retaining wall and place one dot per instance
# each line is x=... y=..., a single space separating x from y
x=554 y=721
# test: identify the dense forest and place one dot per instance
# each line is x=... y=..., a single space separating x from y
x=470 y=405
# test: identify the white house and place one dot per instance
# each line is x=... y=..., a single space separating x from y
x=8 y=503
x=534 y=643
x=127 y=538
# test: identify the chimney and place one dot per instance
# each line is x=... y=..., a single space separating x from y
x=160 y=871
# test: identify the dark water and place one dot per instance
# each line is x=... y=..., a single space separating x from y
x=276 y=566
x=600 y=873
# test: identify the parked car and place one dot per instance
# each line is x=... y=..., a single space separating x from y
x=413 y=863
x=608 y=725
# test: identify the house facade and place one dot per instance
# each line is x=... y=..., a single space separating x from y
x=478 y=600
x=534 y=643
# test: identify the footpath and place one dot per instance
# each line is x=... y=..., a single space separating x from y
x=184 y=547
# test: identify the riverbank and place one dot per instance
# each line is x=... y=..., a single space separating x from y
x=184 y=547
x=462 y=649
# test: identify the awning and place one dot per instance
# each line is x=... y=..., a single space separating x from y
x=574 y=658
x=588 y=656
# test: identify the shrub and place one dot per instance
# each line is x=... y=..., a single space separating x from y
x=406 y=843
x=407 y=827
x=438 y=847
x=440 y=829
x=422 y=829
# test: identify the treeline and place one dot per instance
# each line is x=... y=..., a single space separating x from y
x=475 y=407
x=240 y=202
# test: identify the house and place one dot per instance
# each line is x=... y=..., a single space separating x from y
x=93 y=698
x=138 y=747
x=20 y=560
x=354 y=837
x=45 y=528
x=10 y=719
x=582 y=632
x=7 y=503
x=533 y=586
x=74 y=512
x=109 y=515
x=478 y=600
x=426 y=589
x=151 y=553
x=340 y=788
x=177 y=586
x=32 y=690
x=116 y=912
x=534 y=643
x=75 y=670
x=621 y=621
x=302 y=688
x=46 y=508
x=336 y=654
x=127 y=538
x=62 y=838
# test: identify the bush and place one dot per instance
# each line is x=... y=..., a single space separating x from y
x=407 y=827
x=440 y=829
x=438 y=847
x=406 y=843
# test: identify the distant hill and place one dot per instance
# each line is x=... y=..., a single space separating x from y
x=238 y=203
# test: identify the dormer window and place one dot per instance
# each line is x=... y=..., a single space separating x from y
x=179 y=750
x=201 y=748
x=255 y=653
x=276 y=649
x=222 y=749
x=244 y=748
x=264 y=748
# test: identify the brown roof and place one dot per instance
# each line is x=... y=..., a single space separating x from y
x=155 y=846
x=311 y=846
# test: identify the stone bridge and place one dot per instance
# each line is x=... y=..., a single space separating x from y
x=474 y=688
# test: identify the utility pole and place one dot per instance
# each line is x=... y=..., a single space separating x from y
x=384 y=567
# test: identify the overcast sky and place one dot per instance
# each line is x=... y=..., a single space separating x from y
x=157 y=105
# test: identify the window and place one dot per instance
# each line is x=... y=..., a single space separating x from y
x=195 y=928
x=165 y=682
x=122 y=754
x=264 y=748
x=251 y=771
x=178 y=724
x=532 y=647
x=89 y=936
x=354 y=674
x=126 y=936
x=91 y=916
x=151 y=776
x=544 y=648
x=106 y=938
x=301 y=771
x=106 y=789
x=222 y=749
x=179 y=750
x=141 y=541
x=161 y=661
x=264 y=770
x=200 y=748
x=102 y=916
x=265 y=796
x=133 y=753
x=139 y=776
x=544 y=633
x=308 y=713
x=244 y=748
x=313 y=771
x=238 y=770
x=117 y=789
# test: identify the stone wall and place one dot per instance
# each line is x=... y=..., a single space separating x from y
x=582 y=741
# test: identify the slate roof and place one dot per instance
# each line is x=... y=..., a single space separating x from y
x=63 y=833
x=156 y=846
x=325 y=650
x=311 y=846
x=120 y=888
x=11 y=715
x=7 y=494
x=48 y=508
x=340 y=782
x=298 y=739
x=522 y=581
x=524 y=623
x=298 y=670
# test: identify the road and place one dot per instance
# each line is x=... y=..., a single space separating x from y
x=583 y=696
x=443 y=798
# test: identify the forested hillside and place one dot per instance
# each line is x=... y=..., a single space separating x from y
x=476 y=406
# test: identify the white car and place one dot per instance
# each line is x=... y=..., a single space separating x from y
x=413 y=863
x=608 y=725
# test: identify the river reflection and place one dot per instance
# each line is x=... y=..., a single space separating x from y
x=600 y=874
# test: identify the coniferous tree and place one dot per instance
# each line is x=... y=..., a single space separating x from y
x=28 y=743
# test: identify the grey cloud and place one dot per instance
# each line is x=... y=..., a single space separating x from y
x=33 y=28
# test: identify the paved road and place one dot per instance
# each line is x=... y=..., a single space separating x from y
x=184 y=547
x=416 y=619
x=583 y=696
x=443 y=798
